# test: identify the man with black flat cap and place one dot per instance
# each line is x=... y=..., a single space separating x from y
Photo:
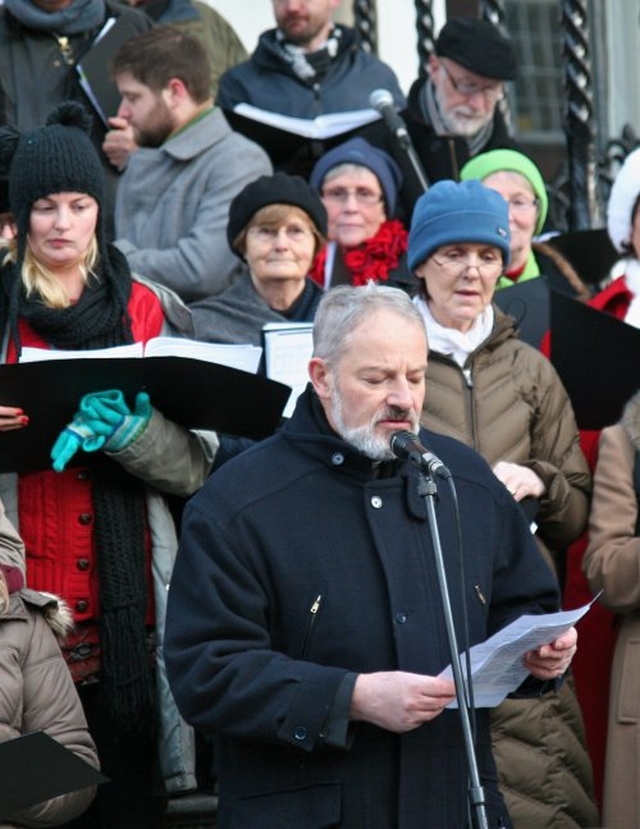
x=453 y=113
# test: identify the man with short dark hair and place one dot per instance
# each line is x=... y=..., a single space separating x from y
x=453 y=113
x=305 y=629
x=173 y=198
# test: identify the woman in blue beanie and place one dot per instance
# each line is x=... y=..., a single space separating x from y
x=359 y=185
x=503 y=398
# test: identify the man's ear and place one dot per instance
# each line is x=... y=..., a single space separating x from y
x=174 y=92
x=319 y=375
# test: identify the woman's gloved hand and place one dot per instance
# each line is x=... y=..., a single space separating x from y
x=103 y=421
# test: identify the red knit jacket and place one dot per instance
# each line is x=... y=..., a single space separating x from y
x=56 y=514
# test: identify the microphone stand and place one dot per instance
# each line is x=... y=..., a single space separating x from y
x=428 y=490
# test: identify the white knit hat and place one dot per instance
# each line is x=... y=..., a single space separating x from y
x=624 y=194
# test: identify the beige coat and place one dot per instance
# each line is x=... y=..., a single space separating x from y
x=38 y=694
x=513 y=407
x=612 y=563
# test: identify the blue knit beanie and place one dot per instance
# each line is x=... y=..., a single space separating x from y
x=360 y=152
x=453 y=212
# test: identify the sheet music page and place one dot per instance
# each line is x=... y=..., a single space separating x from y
x=242 y=357
x=496 y=665
x=288 y=349
x=327 y=125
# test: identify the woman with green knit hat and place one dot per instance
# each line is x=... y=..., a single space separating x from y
x=519 y=181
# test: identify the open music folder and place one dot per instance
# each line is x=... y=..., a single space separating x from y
x=190 y=390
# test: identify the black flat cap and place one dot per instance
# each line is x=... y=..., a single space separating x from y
x=479 y=46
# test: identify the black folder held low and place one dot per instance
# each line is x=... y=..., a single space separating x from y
x=35 y=768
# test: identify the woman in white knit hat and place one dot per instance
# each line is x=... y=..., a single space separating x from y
x=621 y=297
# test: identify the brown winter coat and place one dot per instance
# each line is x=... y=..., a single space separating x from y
x=38 y=694
x=612 y=564
x=514 y=408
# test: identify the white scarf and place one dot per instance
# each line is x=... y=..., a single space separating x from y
x=450 y=342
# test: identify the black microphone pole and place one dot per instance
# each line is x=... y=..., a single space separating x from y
x=382 y=100
x=428 y=490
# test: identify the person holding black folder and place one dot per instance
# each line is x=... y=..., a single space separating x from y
x=38 y=695
x=503 y=398
x=306 y=67
x=97 y=527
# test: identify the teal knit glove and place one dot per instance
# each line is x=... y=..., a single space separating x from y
x=103 y=421
x=107 y=414
x=76 y=434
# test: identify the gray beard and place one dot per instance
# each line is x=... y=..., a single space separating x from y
x=364 y=438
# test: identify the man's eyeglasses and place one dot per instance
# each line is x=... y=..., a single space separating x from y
x=491 y=93
x=455 y=263
x=362 y=195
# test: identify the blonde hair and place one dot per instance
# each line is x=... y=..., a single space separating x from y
x=40 y=280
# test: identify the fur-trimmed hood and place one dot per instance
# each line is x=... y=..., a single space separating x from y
x=55 y=610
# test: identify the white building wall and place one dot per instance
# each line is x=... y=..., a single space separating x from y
x=622 y=86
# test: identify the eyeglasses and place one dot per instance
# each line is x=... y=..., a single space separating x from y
x=455 y=263
x=522 y=205
x=362 y=195
x=492 y=94
x=293 y=232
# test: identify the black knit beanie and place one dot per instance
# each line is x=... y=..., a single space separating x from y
x=56 y=158
x=277 y=189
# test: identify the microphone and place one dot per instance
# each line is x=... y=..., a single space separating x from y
x=382 y=100
x=405 y=444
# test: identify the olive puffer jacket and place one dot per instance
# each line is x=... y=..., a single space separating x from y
x=510 y=405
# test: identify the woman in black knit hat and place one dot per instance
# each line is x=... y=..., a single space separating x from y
x=95 y=533
x=277 y=224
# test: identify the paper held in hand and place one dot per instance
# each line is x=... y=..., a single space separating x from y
x=496 y=665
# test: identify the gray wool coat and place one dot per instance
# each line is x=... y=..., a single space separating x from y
x=172 y=205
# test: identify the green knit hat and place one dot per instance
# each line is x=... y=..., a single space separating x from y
x=497 y=161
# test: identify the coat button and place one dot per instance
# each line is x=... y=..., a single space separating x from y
x=337 y=459
x=85 y=518
x=82 y=605
x=401 y=618
x=83 y=564
x=376 y=502
x=300 y=733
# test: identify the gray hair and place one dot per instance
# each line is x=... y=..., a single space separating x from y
x=348 y=168
x=343 y=308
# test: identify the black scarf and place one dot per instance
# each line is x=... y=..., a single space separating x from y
x=99 y=319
